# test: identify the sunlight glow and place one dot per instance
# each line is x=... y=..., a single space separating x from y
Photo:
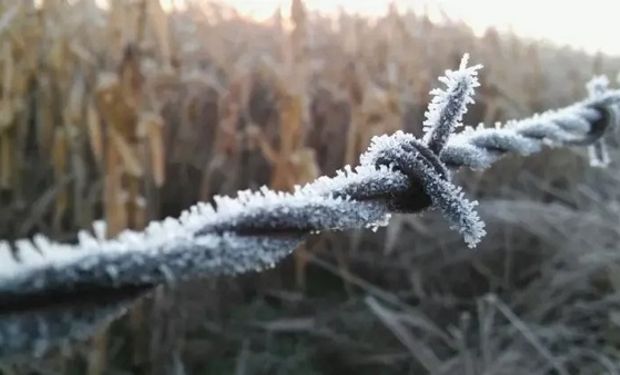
x=585 y=25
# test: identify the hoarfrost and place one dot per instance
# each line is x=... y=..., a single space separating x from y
x=599 y=156
x=447 y=107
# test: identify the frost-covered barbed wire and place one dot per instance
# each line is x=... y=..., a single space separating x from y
x=48 y=282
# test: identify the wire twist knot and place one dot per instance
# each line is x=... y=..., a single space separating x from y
x=414 y=159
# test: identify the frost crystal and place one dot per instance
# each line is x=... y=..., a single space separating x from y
x=599 y=156
x=458 y=210
x=597 y=86
x=445 y=196
x=446 y=109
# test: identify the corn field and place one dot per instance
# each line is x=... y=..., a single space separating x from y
x=129 y=113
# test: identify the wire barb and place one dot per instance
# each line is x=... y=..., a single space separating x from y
x=448 y=105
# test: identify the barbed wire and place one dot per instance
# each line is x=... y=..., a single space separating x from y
x=52 y=293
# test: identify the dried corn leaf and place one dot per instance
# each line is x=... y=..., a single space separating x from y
x=74 y=107
x=128 y=154
x=113 y=196
x=112 y=104
x=45 y=115
x=151 y=128
x=6 y=161
x=95 y=136
x=7 y=114
x=60 y=155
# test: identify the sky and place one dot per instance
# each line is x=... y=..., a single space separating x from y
x=588 y=25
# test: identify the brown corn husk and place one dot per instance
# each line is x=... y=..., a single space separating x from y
x=151 y=132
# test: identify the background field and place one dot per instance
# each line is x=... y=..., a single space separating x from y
x=133 y=114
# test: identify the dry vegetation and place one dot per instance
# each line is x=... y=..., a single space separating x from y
x=133 y=113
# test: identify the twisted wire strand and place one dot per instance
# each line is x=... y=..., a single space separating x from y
x=40 y=279
x=580 y=124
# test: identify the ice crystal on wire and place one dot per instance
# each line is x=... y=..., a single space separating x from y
x=444 y=195
x=597 y=86
x=459 y=211
x=599 y=156
x=479 y=147
x=446 y=109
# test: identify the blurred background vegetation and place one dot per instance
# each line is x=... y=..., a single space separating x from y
x=132 y=113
